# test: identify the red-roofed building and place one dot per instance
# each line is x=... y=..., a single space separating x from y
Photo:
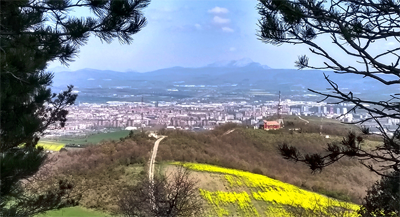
x=271 y=125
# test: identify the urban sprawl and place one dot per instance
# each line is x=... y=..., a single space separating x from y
x=85 y=118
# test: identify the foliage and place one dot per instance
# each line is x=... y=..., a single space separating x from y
x=162 y=197
x=100 y=171
x=34 y=32
x=365 y=130
x=383 y=198
x=16 y=200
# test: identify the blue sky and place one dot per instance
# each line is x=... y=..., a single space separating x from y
x=190 y=33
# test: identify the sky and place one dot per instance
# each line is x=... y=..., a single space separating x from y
x=190 y=33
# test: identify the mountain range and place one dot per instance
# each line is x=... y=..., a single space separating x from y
x=240 y=76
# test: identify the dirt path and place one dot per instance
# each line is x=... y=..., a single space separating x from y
x=153 y=158
x=229 y=131
x=303 y=120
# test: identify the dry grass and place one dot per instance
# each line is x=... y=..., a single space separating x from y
x=256 y=151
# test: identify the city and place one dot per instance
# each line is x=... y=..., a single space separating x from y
x=90 y=118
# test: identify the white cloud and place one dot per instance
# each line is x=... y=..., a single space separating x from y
x=218 y=10
x=221 y=20
x=390 y=44
x=227 y=29
x=232 y=49
x=198 y=26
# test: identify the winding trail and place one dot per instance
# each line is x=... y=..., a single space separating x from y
x=153 y=158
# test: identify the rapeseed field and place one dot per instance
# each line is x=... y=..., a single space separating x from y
x=50 y=146
x=257 y=195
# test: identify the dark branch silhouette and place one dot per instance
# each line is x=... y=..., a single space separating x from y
x=355 y=28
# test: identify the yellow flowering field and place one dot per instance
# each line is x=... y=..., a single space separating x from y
x=219 y=199
x=51 y=146
x=279 y=198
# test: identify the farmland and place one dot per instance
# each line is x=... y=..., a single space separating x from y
x=90 y=139
x=249 y=194
x=51 y=146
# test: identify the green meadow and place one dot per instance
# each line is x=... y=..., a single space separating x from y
x=74 y=212
x=90 y=139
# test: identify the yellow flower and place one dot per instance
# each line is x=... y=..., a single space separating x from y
x=278 y=195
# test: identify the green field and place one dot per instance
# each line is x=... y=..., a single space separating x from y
x=72 y=212
x=91 y=139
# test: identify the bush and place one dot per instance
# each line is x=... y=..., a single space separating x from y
x=257 y=171
x=383 y=198
x=176 y=196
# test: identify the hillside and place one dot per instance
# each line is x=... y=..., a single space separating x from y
x=256 y=151
x=101 y=171
x=230 y=192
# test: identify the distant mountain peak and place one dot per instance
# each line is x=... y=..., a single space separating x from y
x=242 y=62
x=237 y=63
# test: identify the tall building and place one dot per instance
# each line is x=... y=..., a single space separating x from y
x=344 y=110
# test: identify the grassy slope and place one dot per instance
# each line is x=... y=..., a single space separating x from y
x=57 y=144
x=256 y=151
x=74 y=212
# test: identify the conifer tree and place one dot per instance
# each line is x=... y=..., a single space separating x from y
x=33 y=33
